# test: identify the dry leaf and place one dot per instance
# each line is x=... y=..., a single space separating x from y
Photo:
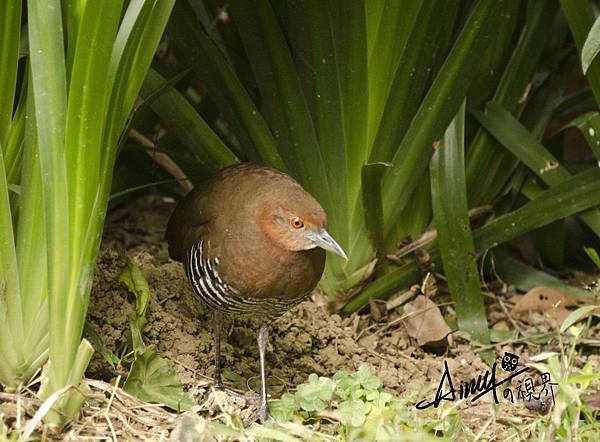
x=397 y=301
x=551 y=302
x=424 y=322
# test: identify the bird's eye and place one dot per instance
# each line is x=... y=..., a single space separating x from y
x=296 y=223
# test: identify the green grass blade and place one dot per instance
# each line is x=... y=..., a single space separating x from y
x=580 y=16
x=491 y=66
x=408 y=86
x=374 y=10
x=137 y=38
x=10 y=30
x=50 y=92
x=525 y=277
x=349 y=33
x=395 y=25
x=10 y=303
x=521 y=143
x=373 y=207
x=75 y=155
x=31 y=242
x=86 y=113
x=485 y=156
x=575 y=195
x=139 y=34
x=13 y=149
x=188 y=125
x=72 y=16
x=416 y=216
x=451 y=219
x=223 y=85
x=311 y=33
x=591 y=47
x=280 y=88
x=436 y=111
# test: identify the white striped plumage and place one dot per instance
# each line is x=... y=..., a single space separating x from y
x=218 y=295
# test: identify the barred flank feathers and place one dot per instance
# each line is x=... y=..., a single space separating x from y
x=218 y=295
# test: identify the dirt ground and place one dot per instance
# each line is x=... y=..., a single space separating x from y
x=308 y=339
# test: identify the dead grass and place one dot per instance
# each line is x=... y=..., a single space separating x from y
x=109 y=413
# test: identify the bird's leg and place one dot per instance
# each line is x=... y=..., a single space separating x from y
x=218 y=383
x=217 y=327
x=263 y=336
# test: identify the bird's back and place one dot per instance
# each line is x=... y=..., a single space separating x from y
x=227 y=194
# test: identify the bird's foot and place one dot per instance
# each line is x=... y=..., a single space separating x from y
x=261 y=415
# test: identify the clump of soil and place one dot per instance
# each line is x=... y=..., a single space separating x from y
x=308 y=339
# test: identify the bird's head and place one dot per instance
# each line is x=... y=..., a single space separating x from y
x=299 y=225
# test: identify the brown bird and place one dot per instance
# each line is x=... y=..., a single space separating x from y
x=252 y=241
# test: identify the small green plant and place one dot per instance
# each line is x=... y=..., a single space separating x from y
x=357 y=402
x=347 y=407
x=593 y=254
x=150 y=378
x=570 y=418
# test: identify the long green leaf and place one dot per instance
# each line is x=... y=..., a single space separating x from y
x=525 y=278
x=591 y=47
x=138 y=36
x=10 y=30
x=397 y=20
x=451 y=218
x=411 y=77
x=486 y=158
x=10 y=306
x=575 y=195
x=31 y=244
x=280 y=88
x=521 y=143
x=373 y=207
x=50 y=92
x=311 y=30
x=135 y=44
x=224 y=86
x=72 y=16
x=13 y=149
x=189 y=126
x=580 y=16
x=349 y=32
x=436 y=111
x=95 y=27
x=86 y=113
x=406 y=92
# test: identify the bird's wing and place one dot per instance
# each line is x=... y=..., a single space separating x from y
x=188 y=224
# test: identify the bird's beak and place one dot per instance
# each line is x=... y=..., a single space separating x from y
x=324 y=240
